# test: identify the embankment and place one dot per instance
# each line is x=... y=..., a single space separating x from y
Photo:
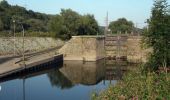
x=31 y=44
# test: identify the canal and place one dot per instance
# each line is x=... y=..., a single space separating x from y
x=71 y=80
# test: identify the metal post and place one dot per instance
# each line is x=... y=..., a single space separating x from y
x=106 y=27
x=118 y=46
x=23 y=43
x=24 y=88
x=14 y=39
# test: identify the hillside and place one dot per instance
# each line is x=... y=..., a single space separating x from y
x=32 y=21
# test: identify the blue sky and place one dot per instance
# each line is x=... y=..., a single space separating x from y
x=135 y=10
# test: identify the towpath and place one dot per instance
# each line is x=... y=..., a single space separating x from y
x=9 y=64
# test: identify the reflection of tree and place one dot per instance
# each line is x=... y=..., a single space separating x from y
x=59 y=80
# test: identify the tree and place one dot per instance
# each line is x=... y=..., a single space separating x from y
x=56 y=25
x=88 y=25
x=158 y=36
x=35 y=25
x=70 y=23
x=33 y=21
x=1 y=25
x=121 y=25
x=71 y=19
x=4 y=4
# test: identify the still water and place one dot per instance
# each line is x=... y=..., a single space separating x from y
x=74 y=80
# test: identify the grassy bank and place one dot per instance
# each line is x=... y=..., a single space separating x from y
x=27 y=34
x=138 y=86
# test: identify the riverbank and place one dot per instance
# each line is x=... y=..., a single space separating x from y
x=136 y=85
x=31 y=44
x=14 y=64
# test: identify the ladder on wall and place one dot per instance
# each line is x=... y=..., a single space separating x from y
x=116 y=56
x=115 y=53
x=115 y=47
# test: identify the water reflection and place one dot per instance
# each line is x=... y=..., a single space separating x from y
x=86 y=73
x=74 y=80
x=77 y=72
x=59 y=80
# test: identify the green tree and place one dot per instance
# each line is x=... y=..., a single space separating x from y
x=71 y=19
x=1 y=25
x=88 y=25
x=33 y=21
x=35 y=25
x=70 y=23
x=121 y=25
x=56 y=25
x=158 y=36
x=4 y=4
x=5 y=17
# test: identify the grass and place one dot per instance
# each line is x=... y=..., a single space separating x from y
x=137 y=85
x=27 y=34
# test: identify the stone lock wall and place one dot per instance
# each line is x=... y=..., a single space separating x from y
x=86 y=48
x=135 y=53
x=91 y=48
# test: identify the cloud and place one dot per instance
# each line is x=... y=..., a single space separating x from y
x=1 y=0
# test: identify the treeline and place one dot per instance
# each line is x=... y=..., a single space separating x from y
x=32 y=21
x=62 y=25
x=121 y=25
x=69 y=23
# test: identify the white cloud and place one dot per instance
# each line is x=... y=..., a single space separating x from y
x=0 y=0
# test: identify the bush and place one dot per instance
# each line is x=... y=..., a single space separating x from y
x=157 y=36
x=150 y=86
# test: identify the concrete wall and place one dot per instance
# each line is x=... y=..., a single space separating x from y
x=135 y=53
x=91 y=48
x=87 y=48
x=31 y=44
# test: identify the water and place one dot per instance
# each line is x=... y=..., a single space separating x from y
x=75 y=80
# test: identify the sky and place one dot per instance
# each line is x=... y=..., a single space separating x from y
x=134 y=10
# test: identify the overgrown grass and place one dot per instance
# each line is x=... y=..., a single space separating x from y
x=137 y=85
x=27 y=34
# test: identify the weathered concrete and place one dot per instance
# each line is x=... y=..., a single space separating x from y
x=91 y=48
x=10 y=66
x=31 y=44
x=135 y=53
x=86 y=48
